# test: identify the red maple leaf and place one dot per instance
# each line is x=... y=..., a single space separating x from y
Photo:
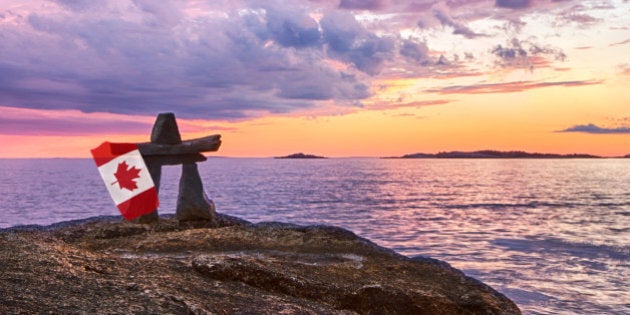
x=126 y=176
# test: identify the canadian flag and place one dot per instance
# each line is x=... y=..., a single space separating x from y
x=127 y=178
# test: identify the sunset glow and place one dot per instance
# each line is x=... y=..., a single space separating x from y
x=334 y=78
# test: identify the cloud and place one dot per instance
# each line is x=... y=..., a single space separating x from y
x=234 y=62
x=362 y=4
x=458 y=28
x=513 y=4
x=414 y=50
x=242 y=59
x=583 y=20
x=402 y=104
x=296 y=30
x=349 y=41
x=594 y=129
x=627 y=41
x=78 y=5
x=40 y=122
x=525 y=54
x=21 y=121
x=509 y=87
x=509 y=54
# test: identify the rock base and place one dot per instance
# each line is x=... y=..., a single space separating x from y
x=194 y=267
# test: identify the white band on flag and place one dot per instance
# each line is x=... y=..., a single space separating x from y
x=143 y=181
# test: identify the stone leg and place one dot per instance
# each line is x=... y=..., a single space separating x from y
x=192 y=201
x=155 y=169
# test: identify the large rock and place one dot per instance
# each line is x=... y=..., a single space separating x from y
x=192 y=201
x=165 y=130
x=110 y=266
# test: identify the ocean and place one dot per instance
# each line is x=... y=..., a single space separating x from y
x=552 y=235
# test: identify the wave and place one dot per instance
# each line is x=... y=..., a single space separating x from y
x=555 y=245
x=534 y=205
x=498 y=206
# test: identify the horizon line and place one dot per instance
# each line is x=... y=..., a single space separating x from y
x=348 y=156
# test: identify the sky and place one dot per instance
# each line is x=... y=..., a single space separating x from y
x=328 y=77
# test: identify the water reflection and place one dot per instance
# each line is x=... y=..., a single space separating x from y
x=553 y=235
x=549 y=233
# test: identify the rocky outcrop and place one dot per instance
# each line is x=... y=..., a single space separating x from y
x=105 y=265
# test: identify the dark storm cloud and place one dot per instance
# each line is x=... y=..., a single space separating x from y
x=594 y=129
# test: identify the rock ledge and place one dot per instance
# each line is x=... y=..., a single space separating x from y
x=106 y=265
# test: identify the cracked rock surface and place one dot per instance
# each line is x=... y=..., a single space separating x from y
x=105 y=265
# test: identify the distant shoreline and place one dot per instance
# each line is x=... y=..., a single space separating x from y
x=483 y=154
x=492 y=154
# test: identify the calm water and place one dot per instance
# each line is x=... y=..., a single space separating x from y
x=553 y=235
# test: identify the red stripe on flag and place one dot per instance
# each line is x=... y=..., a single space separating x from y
x=144 y=203
x=107 y=151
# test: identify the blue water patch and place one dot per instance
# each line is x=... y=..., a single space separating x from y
x=524 y=297
x=554 y=245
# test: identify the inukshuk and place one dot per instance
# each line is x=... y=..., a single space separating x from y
x=167 y=148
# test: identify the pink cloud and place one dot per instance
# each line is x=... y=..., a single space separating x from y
x=402 y=104
x=627 y=41
x=509 y=87
x=23 y=121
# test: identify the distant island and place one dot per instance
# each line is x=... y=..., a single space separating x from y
x=300 y=156
x=492 y=154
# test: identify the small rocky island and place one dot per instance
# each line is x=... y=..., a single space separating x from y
x=106 y=265
x=492 y=154
x=300 y=156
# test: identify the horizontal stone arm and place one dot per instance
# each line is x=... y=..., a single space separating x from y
x=173 y=159
x=205 y=144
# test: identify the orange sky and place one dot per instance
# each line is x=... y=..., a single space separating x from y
x=528 y=120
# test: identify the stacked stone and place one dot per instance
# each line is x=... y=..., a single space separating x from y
x=166 y=148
